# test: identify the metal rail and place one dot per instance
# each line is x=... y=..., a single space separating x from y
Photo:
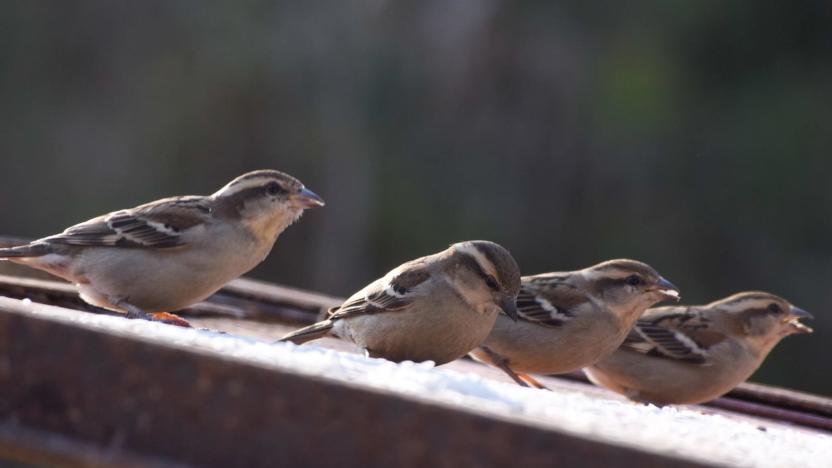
x=65 y=387
x=268 y=303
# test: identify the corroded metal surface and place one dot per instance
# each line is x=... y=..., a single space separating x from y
x=199 y=408
x=24 y=447
x=254 y=308
x=762 y=401
x=241 y=298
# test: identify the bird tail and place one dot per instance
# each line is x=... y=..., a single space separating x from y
x=325 y=314
x=312 y=332
x=27 y=250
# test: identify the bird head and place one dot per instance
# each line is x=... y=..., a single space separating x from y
x=627 y=287
x=488 y=274
x=267 y=201
x=758 y=317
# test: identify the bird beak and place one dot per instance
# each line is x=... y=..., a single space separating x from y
x=306 y=198
x=793 y=320
x=667 y=289
x=509 y=306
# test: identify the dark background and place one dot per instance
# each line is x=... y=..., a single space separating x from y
x=694 y=136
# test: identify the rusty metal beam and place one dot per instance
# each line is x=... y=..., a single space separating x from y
x=241 y=298
x=268 y=303
x=199 y=408
x=776 y=404
x=25 y=447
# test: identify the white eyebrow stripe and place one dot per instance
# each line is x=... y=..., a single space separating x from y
x=742 y=304
x=481 y=259
x=590 y=274
x=237 y=187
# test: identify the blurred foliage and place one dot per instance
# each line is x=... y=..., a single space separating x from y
x=692 y=135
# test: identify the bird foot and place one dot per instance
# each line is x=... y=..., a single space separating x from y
x=532 y=382
x=502 y=363
x=170 y=319
x=134 y=312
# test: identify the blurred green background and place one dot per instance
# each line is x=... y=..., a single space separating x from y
x=694 y=136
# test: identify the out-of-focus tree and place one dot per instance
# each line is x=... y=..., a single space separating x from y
x=692 y=135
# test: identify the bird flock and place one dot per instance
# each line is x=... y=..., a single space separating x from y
x=469 y=299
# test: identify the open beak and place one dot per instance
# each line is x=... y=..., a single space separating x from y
x=306 y=198
x=509 y=306
x=793 y=320
x=667 y=289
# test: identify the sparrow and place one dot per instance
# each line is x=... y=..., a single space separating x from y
x=435 y=308
x=571 y=320
x=168 y=254
x=694 y=354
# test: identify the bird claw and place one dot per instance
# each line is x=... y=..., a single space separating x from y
x=170 y=319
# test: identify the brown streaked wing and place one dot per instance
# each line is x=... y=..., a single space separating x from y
x=390 y=297
x=674 y=333
x=548 y=303
x=154 y=225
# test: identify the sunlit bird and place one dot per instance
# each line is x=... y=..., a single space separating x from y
x=693 y=354
x=434 y=308
x=168 y=254
x=571 y=320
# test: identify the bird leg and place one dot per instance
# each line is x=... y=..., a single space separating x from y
x=134 y=312
x=501 y=363
x=170 y=319
x=533 y=382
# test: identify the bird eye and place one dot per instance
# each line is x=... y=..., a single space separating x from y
x=274 y=189
x=491 y=283
x=633 y=280
x=774 y=308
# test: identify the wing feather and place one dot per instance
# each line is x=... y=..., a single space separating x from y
x=154 y=225
x=548 y=300
x=674 y=333
x=397 y=294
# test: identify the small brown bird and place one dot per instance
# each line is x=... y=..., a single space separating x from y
x=693 y=354
x=171 y=253
x=570 y=320
x=435 y=308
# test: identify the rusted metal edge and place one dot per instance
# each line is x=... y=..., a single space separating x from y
x=257 y=300
x=270 y=302
x=29 y=447
x=775 y=413
x=200 y=408
x=791 y=406
x=261 y=291
x=242 y=298
x=768 y=394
